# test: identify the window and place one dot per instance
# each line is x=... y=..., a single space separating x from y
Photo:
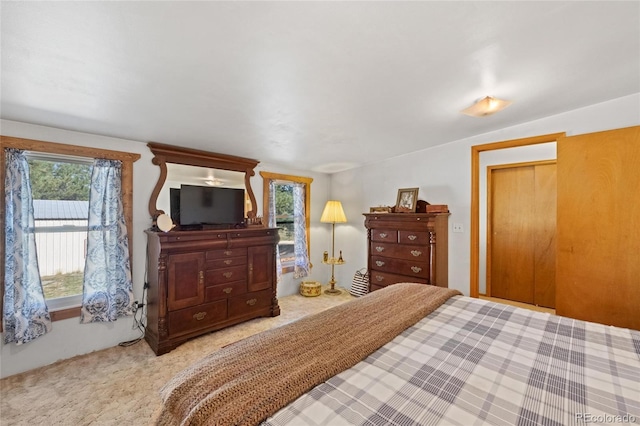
x=68 y=160
x=60 y=192
x=284 y=210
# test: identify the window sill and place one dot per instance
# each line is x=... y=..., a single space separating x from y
x=62 y=314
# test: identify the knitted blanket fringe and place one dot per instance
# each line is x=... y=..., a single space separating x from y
x=250 y=380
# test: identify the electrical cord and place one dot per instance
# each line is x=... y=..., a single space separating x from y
x=140 y=323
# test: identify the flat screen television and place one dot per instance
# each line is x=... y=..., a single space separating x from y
x=210 y=205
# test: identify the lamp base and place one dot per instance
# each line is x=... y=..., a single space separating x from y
x=332 y=291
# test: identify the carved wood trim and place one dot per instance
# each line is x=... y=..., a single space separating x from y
x=193 y=157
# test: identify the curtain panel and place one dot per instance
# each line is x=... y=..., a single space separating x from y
x=273 y=224
x=25 y=312
x=301 y=266
x=107 y=287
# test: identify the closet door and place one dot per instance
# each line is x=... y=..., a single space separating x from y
x=512 y=216
x=522 y=225
x=598 y=265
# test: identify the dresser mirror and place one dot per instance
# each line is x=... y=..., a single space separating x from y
x=184 y=166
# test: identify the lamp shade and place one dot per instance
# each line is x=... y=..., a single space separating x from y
x=486 y=106
x=333 y=213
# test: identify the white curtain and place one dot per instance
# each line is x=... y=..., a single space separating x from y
x=107 y=287
x=25 y=312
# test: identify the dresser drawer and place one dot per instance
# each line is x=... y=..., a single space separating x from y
x=225 y=253
x=384 y=235
x=197 y=317
x=400 y=251
x=227 y=275
x=226 y=262
x=413 y=237
x=224 y=291
x=381 y=279
x=249 y=302
x=410 y=268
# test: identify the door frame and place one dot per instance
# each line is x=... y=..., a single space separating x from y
x=474 y=266
x=490 y=207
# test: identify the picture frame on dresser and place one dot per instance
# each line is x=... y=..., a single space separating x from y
x=407 y=200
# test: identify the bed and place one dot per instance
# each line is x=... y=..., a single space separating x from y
x=412 y=354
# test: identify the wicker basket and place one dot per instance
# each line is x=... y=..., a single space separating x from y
x=310 y=288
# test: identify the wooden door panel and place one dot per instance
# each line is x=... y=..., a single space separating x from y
x=545 y=186
x=185 y=280
x=261 y=264
x=598 y=227
x=512 y=209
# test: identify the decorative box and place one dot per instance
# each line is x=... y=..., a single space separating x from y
x=310 y=288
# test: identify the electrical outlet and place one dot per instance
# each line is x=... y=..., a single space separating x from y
x=457 y=227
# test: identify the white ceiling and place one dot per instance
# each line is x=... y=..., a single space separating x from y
x=317 y=85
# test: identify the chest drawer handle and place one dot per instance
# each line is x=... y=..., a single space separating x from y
x=383 y=235
x=412 y=237
x=416 y=253
x=252 y=302
x=379 y=278
x=201 y=277
x=227 y=290
x=199 y=316
x=379 y=263
x=228 y=262
x=379 y=249
x=416 y=269
x=227 y=274
x=228 y=252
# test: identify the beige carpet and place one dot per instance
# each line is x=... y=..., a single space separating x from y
x=126 y=390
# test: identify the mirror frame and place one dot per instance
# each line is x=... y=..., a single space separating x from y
x=164 y=154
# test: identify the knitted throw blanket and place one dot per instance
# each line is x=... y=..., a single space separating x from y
x=246 y=382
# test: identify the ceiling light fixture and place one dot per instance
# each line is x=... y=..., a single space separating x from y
x=486 y=106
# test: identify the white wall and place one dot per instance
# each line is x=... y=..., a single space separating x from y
x=70 y=338
x=443 y=174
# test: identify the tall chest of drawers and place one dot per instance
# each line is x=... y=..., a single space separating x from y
x=407 y=247
x=201 y=281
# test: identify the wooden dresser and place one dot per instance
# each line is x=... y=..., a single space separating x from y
x=201 y=281
x=407 y=247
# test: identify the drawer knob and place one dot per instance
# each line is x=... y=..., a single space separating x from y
x=383 y=235
x=227 y=290
x=379 y=278
x=379 y=263
x=227 y=274
x=199 y=316
x=416 y=269
x=228 y=262
x=379 y=249
x=227 y=252
x=416 y=253
x=412 y=237
x=251 y=302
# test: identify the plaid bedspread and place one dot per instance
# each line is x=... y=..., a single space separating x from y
x=474 y=362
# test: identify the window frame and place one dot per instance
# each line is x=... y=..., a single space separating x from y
x=267 y=177
x=54 y=148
